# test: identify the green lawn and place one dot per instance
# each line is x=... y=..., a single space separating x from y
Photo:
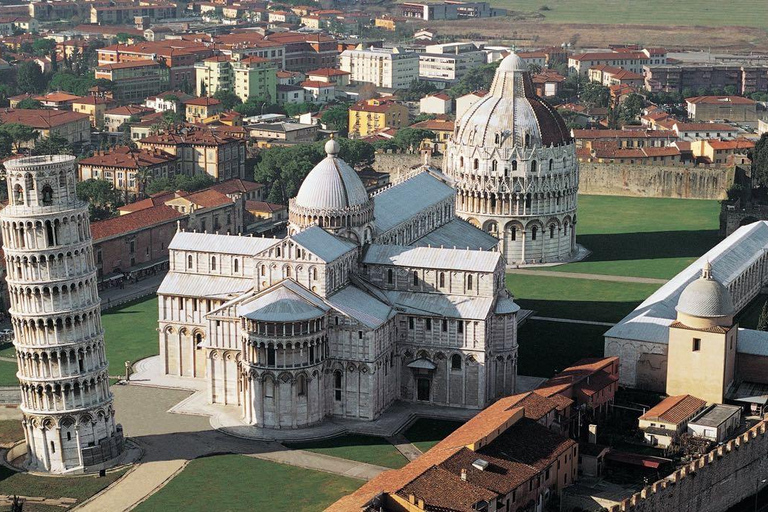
x=749 y=13
x=426 y=433
x=580 y=299
x=370 y=449
x=130 y=333
x=79 y=488
x=235 y=482
x=8 y=351
x=750 y=315
x=548 y=347
x=643 y=237
x=8 y=374
x=10 y=432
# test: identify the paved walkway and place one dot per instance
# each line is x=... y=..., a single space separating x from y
x=571 y=321
x=113 y=297
x=593 y=277
x=405 y=447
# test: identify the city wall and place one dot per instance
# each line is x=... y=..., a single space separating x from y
x=713 y=483
x=613 y=179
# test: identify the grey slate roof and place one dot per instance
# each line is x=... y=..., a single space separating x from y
x=323 y=244
x=227 y=244
x=281 y=304
x=404 y=200
x=361 y=306
x=434 y=304
x=461 y=234
x=432 y=257
x=194 y=285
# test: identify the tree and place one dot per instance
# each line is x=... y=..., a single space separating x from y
x=409 y=139
x=29 y=77
x=353 y=152
x=53 y=145
x=478 y=78
x=762 y=321
x=296 y=109
x=102 y=197
x=534 y=68
x=282 y=169
x=760 y=161
x=337 y=118
x=417 y=90
x=595 y=95
x=731 y=90
x=228 y=99
x=29 y=103
x=43 y=47
x=631 y=108
x=176 y=182
x=18 y=134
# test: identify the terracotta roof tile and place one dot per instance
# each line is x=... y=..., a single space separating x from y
x=133 y=221
x=674 y=409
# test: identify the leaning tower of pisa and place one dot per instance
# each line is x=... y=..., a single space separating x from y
x=55 y=310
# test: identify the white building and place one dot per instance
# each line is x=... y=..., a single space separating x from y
x=292 y=331
x=514 y=166
x=55 y=310
x=464 y=102
x=445 y=64
x=717 y=422
x=391 y=68
x=439 y=103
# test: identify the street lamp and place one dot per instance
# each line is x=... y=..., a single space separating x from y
x=757 y=490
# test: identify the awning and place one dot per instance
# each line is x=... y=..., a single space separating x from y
x=422 y=364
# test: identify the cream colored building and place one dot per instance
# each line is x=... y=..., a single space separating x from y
x=383 y=67
x=663 y=424
x=246 y=77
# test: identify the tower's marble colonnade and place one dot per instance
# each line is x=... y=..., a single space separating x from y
x=55 y=310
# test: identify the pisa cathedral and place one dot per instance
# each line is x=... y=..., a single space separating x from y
x=514 y=165
x=55 y=311
x=367 y=300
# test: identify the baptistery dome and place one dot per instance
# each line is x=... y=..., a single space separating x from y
x=706 y=297
x=333 y=197
x=514 y=166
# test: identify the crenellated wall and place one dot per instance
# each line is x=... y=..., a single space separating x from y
x=713 y=483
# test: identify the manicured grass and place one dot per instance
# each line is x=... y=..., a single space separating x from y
x=579 y=299
x=130 y=333
x=79 y=488
x=749 y=13
x=549 y=347
x=10 y=432
x=235 y=482
x=643 y=237
x=369 y=449
x=8 y=351
x=426 y=433
x=8 y=374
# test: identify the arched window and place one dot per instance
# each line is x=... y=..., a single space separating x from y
x=213 y=262
x=415 y=278
x=461 y=162
x=565 y=229
x=476 y=164
x=19 y=195
x=270 y=355
x=269 y=388
x=189 y=261
x=527 y=200
x=514 y=165
x=287 y=271
x=390 y=276
x=263 y=270
x=469 y=282
x=277 y=252
x=552 y=231
x=533 y=232
x=551 y=164
x=47 y=196
x=494 y=165
x=513 y=234
x=455 y=362
x=533 y=166
x=442 y=279
x=337 y=385
x=527 y=139
x=301 y=384
x=237 y=265
x=314 y=274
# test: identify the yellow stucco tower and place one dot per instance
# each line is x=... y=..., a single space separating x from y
x=702 y=341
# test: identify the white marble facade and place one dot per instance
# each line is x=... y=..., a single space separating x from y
x=376 y=305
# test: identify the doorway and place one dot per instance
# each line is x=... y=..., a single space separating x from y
x=422 y=388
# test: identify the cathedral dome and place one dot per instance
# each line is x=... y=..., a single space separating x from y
x=332 y=185
x=511 y=112
x=706 y=297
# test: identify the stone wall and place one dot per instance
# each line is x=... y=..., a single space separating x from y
x=613 y=179
x=713 y=483
x=654 y=180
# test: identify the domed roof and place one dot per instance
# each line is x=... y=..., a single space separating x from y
x=332 y=184
x=511 y=110
x=281 y=305
x=706 y=297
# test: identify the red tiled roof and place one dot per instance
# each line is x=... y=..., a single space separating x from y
x=133 y=221
x=631 y=55
x=674 y=409
x=327 y=72
x=128 y=158
x=40 y=119
x=236 y=185
x=262 y=206
x=719 y=100
x=152 y=201
x=317 y=84
x=620 y=134
x=92 y=100
x=731 y=144
x=203 y=102
x=129 y=110
x=704 y=127
x=435 y=125
x=208 y=198
x=128 y=65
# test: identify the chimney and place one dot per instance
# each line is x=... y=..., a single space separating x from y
x=464 y=475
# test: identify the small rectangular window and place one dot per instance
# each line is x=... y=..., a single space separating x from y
x=460 y=326
x=445 y=325
x=696 y=344
x=429 y=324
x=359 y=335
x=410 y=322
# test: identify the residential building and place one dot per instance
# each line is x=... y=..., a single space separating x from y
x=611 y=75
x=696 y=131
x=721 y=152
x=676 y=78
x=264 y=215
x=290 y=94
x=115 y=118
x=135 y=80
x=198 y=109
x=464 y=102
x=213 y=74
x=201 y=150
x=282 y=134
x=548 y=83
x=168 y=100
x=388 y=68
x=663 y=424
x=625 y=58
x=441 y=127
x=716 y=423
x=439 y=103
x=329 y=75
x=505 y=458
x=721 y=108
x=370 y=116
x=318 y=92
x=449 y=10
x=72 y=126
x=445 y=64
x=124 y=13
x=624 y=139
x=128 y=169
x=255 y=77
x=94 y=107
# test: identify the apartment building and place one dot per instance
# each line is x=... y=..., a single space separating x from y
x=72 y=126
x=128 y=169
x=135 y=80
x=371 y=116
x=446 y=64
x=391 y=68
x=713 y=108
x=625 y=58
